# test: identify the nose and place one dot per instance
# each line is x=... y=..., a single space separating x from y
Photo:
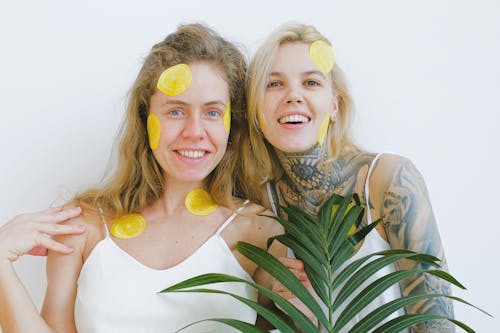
x=194 y=127
x=294 y=96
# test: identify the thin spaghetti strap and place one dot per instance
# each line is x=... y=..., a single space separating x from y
x=230 y=218
x=367 y=187
x=103 y=220
x=270 y=195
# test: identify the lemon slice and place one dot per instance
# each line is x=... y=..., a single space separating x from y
x=322 y=55
x=261 y=121
x=199 y=202
x=153 y=126
x=352 y=230
x=175 y=80
x=227 y=117
x=128 y=226
x=323 y=130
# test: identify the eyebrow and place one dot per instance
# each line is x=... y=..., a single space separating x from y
x=180 y=102
x=303 y=73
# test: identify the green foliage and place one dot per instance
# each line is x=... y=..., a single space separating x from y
x=324 y=244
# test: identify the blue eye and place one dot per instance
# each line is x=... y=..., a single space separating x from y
x=311 y=83
x=175 y=112
x=273 y=84
x=213 y=113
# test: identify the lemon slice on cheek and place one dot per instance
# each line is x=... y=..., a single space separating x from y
x=175 y=80
x=322 y=56
x=154 y=130
x=227 y=117
x=199 y=202
x=128 y=226
x=323 y=130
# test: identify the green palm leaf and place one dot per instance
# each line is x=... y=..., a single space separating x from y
x=242 y=326
x=300 y=319
x=325 y=244
x=408 y=320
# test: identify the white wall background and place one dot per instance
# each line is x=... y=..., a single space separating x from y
x=425 y=76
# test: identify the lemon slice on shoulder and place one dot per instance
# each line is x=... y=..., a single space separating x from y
x=128 y=226
x=175 y=80
x=199 y=202
x=322 y=55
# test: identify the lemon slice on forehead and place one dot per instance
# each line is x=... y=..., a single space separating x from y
x=322 y=55
x=199 y=202
x=128 y=226
x=175 y=80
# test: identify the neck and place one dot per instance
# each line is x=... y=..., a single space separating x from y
x=175 y=194
x=312 y=176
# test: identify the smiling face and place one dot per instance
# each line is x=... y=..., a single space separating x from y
x=298 y=100
x=192 y=137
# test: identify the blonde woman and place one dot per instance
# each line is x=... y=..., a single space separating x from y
x=299 y=128
x=167 y=214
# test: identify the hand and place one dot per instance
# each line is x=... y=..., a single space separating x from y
x=30 y=233
x=295 y=266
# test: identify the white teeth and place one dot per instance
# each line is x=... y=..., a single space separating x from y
x=192 y=153
x=296 y=118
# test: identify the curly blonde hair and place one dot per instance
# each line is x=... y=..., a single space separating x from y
x=138 y=179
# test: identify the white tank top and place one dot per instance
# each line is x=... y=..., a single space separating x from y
x=373 y=243
x=116 y=293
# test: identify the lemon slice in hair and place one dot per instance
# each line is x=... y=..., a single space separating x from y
x=175 y=80
x=227 y=117
x=199 y=202
x=322 y=56
x=153 y=127
x=128 y=226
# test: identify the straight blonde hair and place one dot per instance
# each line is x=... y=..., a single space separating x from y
x=260 y=162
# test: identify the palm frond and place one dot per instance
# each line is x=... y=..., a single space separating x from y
x=325 y=244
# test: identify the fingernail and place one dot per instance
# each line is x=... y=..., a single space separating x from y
x=81 y=227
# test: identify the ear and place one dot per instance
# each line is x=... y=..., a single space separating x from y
x=335 y=109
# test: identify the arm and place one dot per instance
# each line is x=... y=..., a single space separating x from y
x=18 y=312
x=409 y=223
x=62 y=275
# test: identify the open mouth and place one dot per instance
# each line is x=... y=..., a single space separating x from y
x=192 y=153
x=294 y=119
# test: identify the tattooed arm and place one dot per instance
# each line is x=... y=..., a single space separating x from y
x=402 y=200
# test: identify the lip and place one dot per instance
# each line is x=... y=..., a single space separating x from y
x=197 y=154
x=291 y=126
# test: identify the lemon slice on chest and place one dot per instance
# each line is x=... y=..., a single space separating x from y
x=199 y=202
x=128 y=226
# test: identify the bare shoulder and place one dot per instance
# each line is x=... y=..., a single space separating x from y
x=85 y=242
x=261 y=221
x=391 y=166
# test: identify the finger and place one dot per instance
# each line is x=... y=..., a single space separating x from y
x=52 y=245
x=59 y=216
x=51 y=210
x=292 y=263
x=38 y=251
x=286 y=294
x=58 y=229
